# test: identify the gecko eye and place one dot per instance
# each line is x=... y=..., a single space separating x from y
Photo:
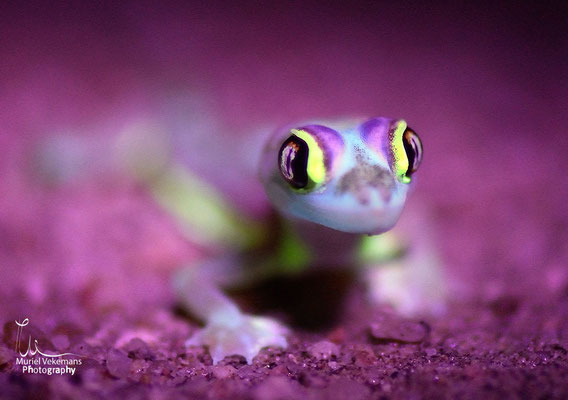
x=413 y=149
x=406 y=151
x=300 y=161
x=293 y=160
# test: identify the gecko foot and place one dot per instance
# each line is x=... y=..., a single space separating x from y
x=412 y=288
x=243 y=334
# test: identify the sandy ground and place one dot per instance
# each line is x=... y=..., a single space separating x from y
x=85 y=254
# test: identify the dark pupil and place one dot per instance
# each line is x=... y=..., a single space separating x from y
x=413 y=149
x=293 y=162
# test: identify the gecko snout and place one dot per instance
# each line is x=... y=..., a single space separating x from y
x=365 y=179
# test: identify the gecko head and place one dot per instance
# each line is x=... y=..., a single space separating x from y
x=351 y=176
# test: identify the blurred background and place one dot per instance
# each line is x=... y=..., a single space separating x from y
x=484 y=85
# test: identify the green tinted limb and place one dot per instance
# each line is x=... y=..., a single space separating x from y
x=203 y=214
x=380 y=248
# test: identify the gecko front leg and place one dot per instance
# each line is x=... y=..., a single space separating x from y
x=405 y=274
x=227 y=330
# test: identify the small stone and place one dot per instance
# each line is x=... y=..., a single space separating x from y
x=266 y=356
x=430 y=352
x=364 y=356
x=279 y=370
x=333 y=365
x=223 y=371
x=118 y=363
x=323 y=350
x=397 y=330
x=247 y=372
x=138 y=348
x=139 y=366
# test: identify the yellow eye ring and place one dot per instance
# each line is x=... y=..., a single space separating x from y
x=406 y=151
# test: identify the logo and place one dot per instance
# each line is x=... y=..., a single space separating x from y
x=36 y=361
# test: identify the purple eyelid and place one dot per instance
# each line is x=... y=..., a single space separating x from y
x=329 y=140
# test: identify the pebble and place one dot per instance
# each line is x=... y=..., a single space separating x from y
x=430 y=352
x=394 y=329
x=138 y=348
x=323 y=350
x=333 y=365
x=139 y=366
x=223 y=371
x=364 y=356
x=118 y=363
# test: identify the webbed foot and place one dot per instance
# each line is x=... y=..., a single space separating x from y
x=239 y=334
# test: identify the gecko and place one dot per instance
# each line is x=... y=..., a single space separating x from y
x=338 y=187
